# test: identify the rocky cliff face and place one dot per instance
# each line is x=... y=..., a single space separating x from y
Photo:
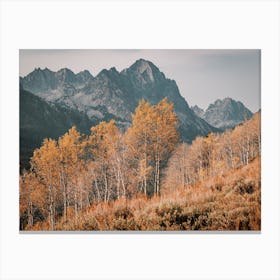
x=198 y=111
x=223 y=114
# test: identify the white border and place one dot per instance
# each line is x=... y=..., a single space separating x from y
x=157 y=24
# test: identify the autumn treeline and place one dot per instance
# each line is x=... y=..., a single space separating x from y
x=214 y=155
x=77 y=171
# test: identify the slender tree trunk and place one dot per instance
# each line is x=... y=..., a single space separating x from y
x=118 y=182
x=51 y=206
x=97 y=189
x=231 y=157
x=247 y=150
x=157 y=172
x=81 y=199
x=145 y=183
x=145 y=168
x=30 y=213
x=51 y=209
x=155 y=180
x=76 y=204
x=123 y=185
x=63 y=183
x=88 y=200
x=106 y=187
x=158 y=176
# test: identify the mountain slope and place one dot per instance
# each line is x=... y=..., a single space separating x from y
x=39 y=120
x=223 y=114
x=198 y=111
x=113 y=94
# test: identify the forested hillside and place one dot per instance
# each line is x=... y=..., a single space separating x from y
x=144 y=178
x=40 y=119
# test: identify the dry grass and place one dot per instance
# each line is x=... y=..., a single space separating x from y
x=231 y=202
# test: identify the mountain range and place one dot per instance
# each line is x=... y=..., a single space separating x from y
x=113 y=94
x=51 y=102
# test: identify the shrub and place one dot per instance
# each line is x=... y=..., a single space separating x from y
x=243 y=186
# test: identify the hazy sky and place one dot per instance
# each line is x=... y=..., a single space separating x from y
x=201 y=75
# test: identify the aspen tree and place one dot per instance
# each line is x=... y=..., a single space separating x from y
x=153 y=136
x=70 y=153
x=165 y=136
x=102 y=139
x=44 y=164
x=139 y=139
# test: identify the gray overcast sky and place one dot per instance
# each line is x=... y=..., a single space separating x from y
x=201 y=75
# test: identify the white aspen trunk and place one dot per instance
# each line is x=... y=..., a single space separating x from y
x=145 y=183
x=123 y=185
x=157 y=172
x=63 y=183
x=51 y=210
x=241 y=157
x=118 y=182
x=87 y=199
x=75 y=203
x=81 y=199
x=231 y=157
x=97 y=189
x=106 y=186
x=157 y=162
x=247 y=150
x=30 y=213
x=158 y=176
x=145 y=168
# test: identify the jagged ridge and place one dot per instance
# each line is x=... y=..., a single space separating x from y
x=117 y=93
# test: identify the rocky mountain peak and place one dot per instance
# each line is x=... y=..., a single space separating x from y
x=65 y=75
x=225 y=113
x=145 y=72
x=39 y=80
x=113 y=69
x=84 y=76
x=218 y=102
x=65 y=71
x=38 y=72
x=141 y=65
x=108 y=75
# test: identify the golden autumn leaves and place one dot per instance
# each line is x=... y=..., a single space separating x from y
x=77 y=170
x=152 y=137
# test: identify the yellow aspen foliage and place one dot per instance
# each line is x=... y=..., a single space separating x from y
x=152 y=137
x=45 y=164
x=33 y=197
x=103 y=141
x=70 y=166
